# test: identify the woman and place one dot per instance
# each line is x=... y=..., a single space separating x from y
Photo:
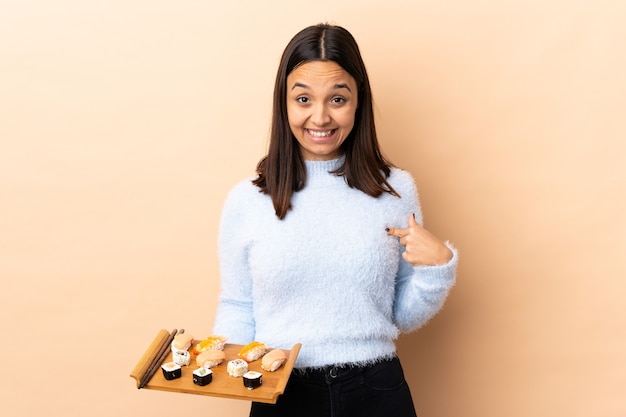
x=309 y=248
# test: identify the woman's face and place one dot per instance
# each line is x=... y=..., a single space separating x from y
x=321 y=105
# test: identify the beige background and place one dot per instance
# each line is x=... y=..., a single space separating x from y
x=124 y=123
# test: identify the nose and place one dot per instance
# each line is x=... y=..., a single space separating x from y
x=320 y=115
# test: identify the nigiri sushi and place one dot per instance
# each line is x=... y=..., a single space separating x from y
x=252 y=351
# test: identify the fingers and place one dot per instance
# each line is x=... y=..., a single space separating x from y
x=412 y=221
x=402 y=232
x=397 y=232
x=421 y=246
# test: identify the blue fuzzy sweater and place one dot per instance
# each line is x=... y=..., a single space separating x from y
x=328 y=275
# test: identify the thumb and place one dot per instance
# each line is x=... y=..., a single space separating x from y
x=412 y=221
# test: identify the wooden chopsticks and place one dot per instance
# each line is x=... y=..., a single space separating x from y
x=159 y=358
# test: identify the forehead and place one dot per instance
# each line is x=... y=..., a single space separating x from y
x=319 y=74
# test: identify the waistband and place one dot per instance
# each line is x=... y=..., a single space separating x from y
x=338 y=372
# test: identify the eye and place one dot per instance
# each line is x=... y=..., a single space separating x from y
x=338 y=100
x=302 y=100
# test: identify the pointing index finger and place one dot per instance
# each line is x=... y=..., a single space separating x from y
x=397 y=232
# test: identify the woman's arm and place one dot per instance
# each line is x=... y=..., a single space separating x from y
x=421 y=291
x=234 y=318
x=427 y=266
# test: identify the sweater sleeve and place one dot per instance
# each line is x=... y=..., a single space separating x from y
x=234 y=317
x=420 y=290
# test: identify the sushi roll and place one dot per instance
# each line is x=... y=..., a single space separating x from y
x=252 y=379
x=171 y=370
x=273 y=360
x=211 y=342
x=237 y=367
x=210 y=358
x=202 y=376
x=181 y=357
x=252 y=351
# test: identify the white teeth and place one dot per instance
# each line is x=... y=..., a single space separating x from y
x=321 y=134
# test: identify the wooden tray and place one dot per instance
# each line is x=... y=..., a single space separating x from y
x=222 y=385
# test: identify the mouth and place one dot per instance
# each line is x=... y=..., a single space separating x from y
x=321 y=134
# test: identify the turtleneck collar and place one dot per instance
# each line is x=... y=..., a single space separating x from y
x=315 y=168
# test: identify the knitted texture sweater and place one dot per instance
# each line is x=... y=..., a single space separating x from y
x=328 y=275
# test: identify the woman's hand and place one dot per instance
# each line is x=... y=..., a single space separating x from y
x=421 y=246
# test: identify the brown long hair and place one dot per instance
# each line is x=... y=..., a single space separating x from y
x=282 y=171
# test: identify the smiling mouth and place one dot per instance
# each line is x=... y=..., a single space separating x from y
x=321 y=133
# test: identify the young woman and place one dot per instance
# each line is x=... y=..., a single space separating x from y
x=324 y=246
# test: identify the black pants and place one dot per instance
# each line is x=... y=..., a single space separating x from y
x=378 y=390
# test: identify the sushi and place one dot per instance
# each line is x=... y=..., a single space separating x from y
x=252 y=351
x=181 y=357
x=202 y=376
x=237 y=367
x=210 y=358
x=273 y=360
x=171 y=370
x=252 y=379
x=182 y=342
x=211 y=342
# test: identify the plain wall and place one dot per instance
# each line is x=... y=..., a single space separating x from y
x=124 y=123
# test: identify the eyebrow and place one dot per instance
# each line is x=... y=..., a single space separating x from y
x=335 y=87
